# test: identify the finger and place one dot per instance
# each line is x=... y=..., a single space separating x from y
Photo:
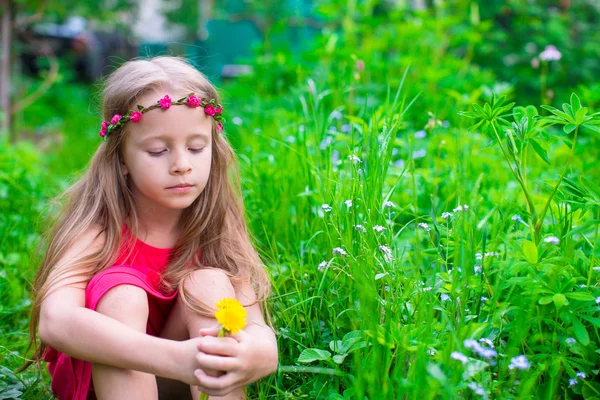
x=220 y=386
x=213 y=331
x=219 y=346
x=240 y=336
x=218 y=363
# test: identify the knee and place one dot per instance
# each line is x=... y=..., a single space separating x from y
x=208 y=285
x=127 y=304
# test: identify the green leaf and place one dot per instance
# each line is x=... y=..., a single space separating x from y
x=473 y=367
x=436 y=373
x=594 y=321
x=559 y=300
x=575 y=103
x=582 y=296
x=581 y=333
x=530 y=251
x=592 y=128
x=539 y=150
x=569 y=128
x=310 y=355
x=339 y=358
x=545 y=300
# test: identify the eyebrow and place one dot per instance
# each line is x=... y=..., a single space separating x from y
x=168 y=138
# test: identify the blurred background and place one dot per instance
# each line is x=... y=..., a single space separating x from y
x=307 y=85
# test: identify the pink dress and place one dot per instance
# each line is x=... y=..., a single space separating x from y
x=72 y=378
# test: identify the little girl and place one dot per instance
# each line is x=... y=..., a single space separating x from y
x=149 y=239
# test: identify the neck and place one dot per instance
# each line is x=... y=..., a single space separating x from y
x=157 y=225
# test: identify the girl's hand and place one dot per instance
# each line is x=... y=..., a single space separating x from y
x=240 y=358
x=186 y=362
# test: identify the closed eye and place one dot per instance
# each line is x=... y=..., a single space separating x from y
x=158 y=153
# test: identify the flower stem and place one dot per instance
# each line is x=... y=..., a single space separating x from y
x=538 y=226
x=204 y=396
x=517 y=176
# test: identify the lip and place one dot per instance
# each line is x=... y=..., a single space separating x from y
x=181 y=188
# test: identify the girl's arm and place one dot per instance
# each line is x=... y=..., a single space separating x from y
x=88 y=335
x=66 y=325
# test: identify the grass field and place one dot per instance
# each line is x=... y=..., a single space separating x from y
x=419 y=246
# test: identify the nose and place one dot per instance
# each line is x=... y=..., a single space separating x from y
x=181 y=164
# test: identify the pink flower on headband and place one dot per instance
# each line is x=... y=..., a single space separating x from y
x=210 y=110
x=193 y=101
x=165 y=102
x=115 y=119
x=219 y=110
x=103 y=129
x=219 y=127
x=135 y=116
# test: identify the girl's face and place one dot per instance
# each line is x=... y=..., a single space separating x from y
x=166 y=149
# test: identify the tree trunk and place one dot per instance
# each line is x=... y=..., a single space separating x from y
x=5 y=67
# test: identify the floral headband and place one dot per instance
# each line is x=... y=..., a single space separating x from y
x=211 y=108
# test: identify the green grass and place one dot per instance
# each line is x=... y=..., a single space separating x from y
x=384 y=318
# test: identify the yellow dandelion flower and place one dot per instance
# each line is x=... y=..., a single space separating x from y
x=231 y=315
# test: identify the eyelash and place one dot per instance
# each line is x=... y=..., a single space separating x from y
x=158 y=153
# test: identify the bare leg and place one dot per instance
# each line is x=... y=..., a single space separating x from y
x=208 y=286
x=129 y=305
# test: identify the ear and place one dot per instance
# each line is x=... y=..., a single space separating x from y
x=124 y=168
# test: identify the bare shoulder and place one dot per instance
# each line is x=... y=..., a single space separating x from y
x=66 y=275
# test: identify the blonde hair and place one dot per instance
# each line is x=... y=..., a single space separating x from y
x=214 y=223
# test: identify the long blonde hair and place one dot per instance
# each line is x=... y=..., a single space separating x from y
x=214 y=222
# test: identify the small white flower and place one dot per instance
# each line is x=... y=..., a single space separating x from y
x=552 y=240
x=581 y=375
x=335 y=115
x=478 y=256
x=360 y=228
x=427 y=289
x=420 y=134
x=598 y=300
x=570 y=341
x=348 y=203
x=519 y=362
x=237 y=121
x=419 y=154
x=424 y=226
x=550 y=53
x=461 y=208
x=572 y=382
x=354 y=159
x=444 y=297
x=431 y=352
x=479 y=390
x=484 y=299
x=346 y=128
x=322 y=265
x=326 y=208
x=517 y=218
x=389 y=204
x=340 y=251
x=487 y=342
x=378 y=228
x=385 y=249
x=459 y=356
x=478 y=269
x=446 y=215
x=326 y=142
x=492 y=254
